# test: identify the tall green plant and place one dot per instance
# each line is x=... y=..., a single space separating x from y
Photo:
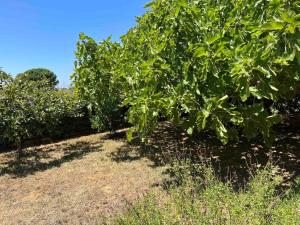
x=95 y=80
x=205 y=64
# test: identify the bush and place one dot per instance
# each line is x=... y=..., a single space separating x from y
x=200 y=64
x=34 y=109
x=206 y=200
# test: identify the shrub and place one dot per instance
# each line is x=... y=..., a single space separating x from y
x=206 y=200
x=33 y=109
x=200 y=64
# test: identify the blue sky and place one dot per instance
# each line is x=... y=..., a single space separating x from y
x=43 y=33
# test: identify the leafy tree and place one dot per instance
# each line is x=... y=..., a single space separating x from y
x=202 y=64
x=33 y=109
x=37 y=74
x=95 y=84
x=5 y=78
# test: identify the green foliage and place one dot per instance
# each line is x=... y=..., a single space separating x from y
x=95 y=81
x=202 y=64
x=33 y=109
x=38 y=74
x=207 y=200
x=5 y=78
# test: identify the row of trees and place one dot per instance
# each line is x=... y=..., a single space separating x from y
x=201 y=64
x=30 y=106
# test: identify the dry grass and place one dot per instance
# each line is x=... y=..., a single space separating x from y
x=80 y=181
x=72 y=182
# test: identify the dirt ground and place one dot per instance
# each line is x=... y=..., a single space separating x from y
x=77 y=181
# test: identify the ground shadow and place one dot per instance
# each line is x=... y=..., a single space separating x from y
x=235 y=161
x=44 y=157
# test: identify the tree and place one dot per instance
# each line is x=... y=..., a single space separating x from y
x=5 y=78
x=33 y=109
x=95 y=84
x=204 y=64
x=37 y=74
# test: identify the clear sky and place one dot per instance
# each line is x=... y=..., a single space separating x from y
x=43 y=33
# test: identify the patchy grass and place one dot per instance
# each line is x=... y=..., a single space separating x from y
x=72 y=182
x=206 y=200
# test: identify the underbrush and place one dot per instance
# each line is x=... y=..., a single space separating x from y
x=204 y=199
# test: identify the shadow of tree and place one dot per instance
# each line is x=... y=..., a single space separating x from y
x=235 y=161
x=42 y=158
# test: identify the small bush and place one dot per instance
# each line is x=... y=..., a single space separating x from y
x=207 y=200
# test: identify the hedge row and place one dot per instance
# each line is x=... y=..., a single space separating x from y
x=33 y=109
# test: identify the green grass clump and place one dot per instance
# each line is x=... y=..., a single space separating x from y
x=206 y=200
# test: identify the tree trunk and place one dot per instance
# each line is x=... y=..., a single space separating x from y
x=20 y=150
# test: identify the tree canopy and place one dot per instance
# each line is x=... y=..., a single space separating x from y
x=201 y=64
x=5 y=78
x=37 y=74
